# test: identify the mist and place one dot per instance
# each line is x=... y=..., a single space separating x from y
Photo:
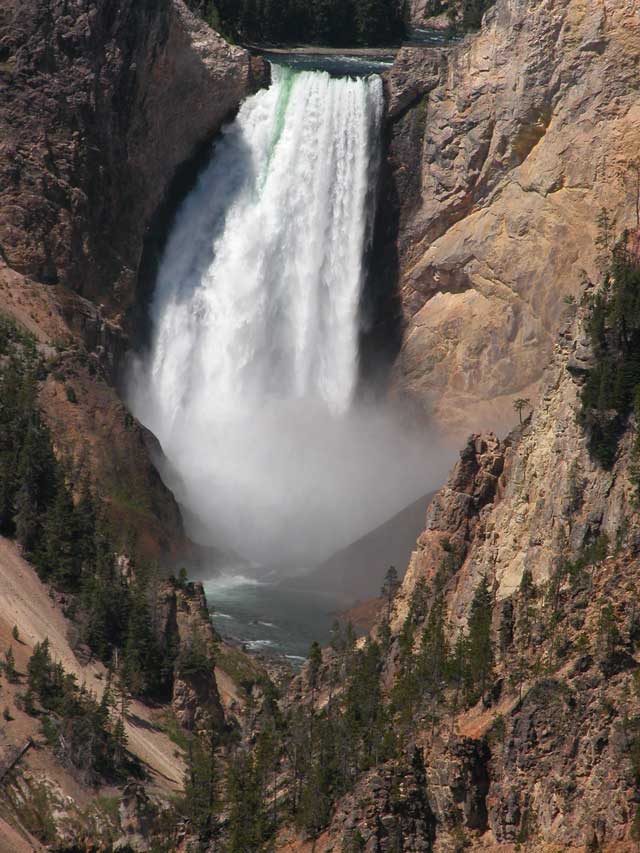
x=250 y=382
x=287 y=484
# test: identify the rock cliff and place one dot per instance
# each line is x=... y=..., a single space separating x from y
x=545 y=756
x=184 y=622
x=502 y=150
x=548 y=760
x=532 y=500
x=101 y=104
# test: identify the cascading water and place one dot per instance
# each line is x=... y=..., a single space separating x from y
x=250 y=378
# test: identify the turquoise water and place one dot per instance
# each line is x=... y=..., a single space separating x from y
x=337 y=66
x=269 y=617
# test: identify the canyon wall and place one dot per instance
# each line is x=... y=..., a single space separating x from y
x=530 y=501
x=546 y=758
x=502 y=151
x=100 y=105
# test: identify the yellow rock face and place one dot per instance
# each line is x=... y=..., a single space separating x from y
x=503 y=151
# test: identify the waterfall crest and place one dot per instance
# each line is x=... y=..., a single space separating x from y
x=253 y=365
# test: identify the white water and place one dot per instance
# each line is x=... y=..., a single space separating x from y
x=250 y=379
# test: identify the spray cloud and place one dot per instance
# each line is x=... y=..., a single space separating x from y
x=250 y=380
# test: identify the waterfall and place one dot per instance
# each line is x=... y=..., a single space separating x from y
x=253 y=365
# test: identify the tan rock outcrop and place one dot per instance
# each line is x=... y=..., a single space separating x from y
x=528 y=502
x=92 y=430
x=547 y=757
x=184 y=623
x=503 y=149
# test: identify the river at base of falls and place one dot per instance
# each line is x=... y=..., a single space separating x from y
x=268 y=617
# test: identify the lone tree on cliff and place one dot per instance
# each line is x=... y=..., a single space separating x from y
x=520 y=405
x=390 y=587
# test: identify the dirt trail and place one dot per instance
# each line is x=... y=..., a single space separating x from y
x=25 y=602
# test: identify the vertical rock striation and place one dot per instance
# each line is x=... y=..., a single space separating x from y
x=502 y=149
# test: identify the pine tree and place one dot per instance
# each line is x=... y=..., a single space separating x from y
x=10 y=666
x=389 y=588
x=38 y=668
x=315 y=662
x=107 y=700
x=201 y=800
x=120 y=742
x=58 y=559
x=85 y=528
x=142 y=661
x=105 y=600
x=459 y=674
x=248 y=820
x=37 y=474
x=480 y=646
x=11 y=435
x=267 y=754
x=367 y=730
x=435 y=646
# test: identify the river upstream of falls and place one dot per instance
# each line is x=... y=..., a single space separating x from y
x=251 y=376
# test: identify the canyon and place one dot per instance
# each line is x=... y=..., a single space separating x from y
x=500 y=151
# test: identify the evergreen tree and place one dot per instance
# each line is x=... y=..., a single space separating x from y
x=608 y=393
x=527 y=586
x=384 y=634
x=37 y=474
x=314 y=808
x=85 y=528
x=142 y=661
x=10 y=666
x=105 y=600
x=364 y=712
x=201 y=799
x=480 y=646
x=11 y=435
x=248 y=821
x=75 y=724
x=315 y=662
x=58 y=559
x=459 y=673
x=389 y=588
x=435 y=646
